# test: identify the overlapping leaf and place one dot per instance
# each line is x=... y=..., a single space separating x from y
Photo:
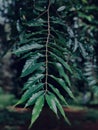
x=51 y=103
x=57 y=92
x=27 y=48
x=63 y=85
x=37 y=109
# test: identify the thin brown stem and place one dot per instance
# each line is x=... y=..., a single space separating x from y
x=42 y=14
x=47 y=41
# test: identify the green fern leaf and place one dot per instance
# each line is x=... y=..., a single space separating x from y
x=63 y=74
x=37 y=109
x=64 y=63
x=62 y=83
x=61 y=110
x=27 y=48
x=33 y=98
x=36 y=23
x=59 y=106
x=32 y=80
x=30 y=67
x=57 y=92
x=27 y=94
x=34 y=34
x=57 y=46
x=51 y=103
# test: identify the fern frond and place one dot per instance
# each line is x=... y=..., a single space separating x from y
x=47 y=65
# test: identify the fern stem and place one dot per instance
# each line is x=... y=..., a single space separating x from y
x=42 y=14
x=47 y=41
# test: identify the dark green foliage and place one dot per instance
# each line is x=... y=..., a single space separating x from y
x=57 y=40
x=47 y=66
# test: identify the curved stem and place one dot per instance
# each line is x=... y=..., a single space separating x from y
x=47 y=41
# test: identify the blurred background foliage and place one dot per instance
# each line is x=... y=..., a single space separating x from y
x=81 y=21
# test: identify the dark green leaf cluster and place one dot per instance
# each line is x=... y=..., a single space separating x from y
x=43 y=43
x=56 y=38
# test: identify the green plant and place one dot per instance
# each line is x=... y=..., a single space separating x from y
x=56 y=39
x=48 y=66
